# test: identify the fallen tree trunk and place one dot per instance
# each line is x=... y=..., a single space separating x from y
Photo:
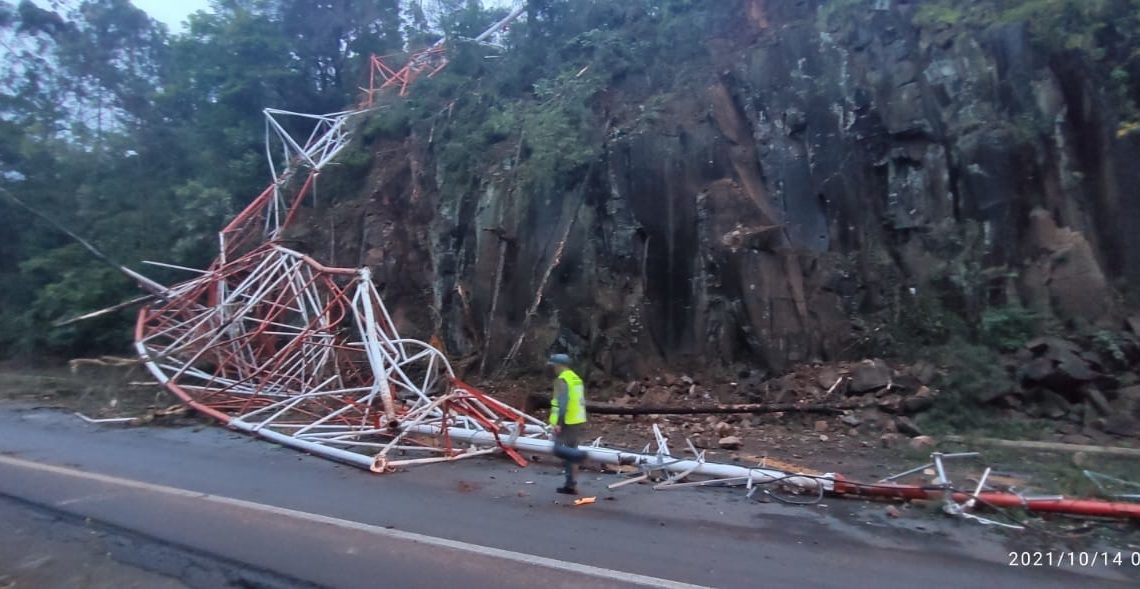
x=605 y=409
x=1048 y=446
x=538 y=401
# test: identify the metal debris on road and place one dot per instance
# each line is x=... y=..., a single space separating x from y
x=271 y=342
x=1100 y=480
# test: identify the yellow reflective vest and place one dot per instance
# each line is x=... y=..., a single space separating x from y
x=575 y=400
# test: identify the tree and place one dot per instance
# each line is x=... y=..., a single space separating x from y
x=329 y=40
x=145 y=142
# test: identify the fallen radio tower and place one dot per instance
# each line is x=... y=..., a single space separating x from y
x=271 y=342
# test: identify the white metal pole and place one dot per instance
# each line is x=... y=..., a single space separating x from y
x=614 y=457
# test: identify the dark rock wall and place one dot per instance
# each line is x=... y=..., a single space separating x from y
x=820 y=166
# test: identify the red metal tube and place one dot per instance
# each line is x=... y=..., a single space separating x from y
x=140 y=324
x=1087 y=507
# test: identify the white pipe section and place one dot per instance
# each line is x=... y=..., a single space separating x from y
x=597 y=454
x=611 y=456
x=517 y=12
x=537 y=445
x=317 y=449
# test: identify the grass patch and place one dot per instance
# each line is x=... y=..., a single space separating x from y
x=939 y=14
x=975 y=421
x=97 y=391
x=1056 y=472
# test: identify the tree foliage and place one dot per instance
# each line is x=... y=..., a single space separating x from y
x=1105 y=31
x=145 y=141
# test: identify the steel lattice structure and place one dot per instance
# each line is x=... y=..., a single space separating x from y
x=271 y=342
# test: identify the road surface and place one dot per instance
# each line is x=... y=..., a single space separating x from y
x=186 y=500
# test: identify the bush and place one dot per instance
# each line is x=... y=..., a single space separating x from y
x=1008 y=328
x=1113 y=346
x=393 y=123
x=499 y=125
x=972 y=375
x=925 y=321
x=345 y=178
x=975 y=372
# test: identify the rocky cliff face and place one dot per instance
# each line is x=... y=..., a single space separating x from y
x=813 y=171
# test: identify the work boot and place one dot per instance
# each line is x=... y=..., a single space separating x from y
x=567 y=490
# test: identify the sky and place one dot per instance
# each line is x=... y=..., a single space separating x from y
x=171 y=12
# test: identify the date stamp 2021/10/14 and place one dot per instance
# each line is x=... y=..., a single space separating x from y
x=1074 y=559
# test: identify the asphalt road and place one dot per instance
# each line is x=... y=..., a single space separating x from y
x=206 y=493
x=39 y=548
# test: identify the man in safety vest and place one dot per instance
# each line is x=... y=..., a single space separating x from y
x=567 y=418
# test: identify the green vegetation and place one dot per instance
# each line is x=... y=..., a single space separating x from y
x=939 y=14
x=976 y=373
x=973 y=373
x=1105 y=31
x=980 y=374
x=924 y=321
x=1111 y=346
x=1008 y=328
x=537 y=110
x=557 y=129
x=1053 y=472
x=145 y=141
x=832 y=9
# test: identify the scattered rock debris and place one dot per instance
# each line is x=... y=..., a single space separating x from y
x=729 y=443
x=863 y=441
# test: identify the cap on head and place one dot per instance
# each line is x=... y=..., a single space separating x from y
x=559 y=360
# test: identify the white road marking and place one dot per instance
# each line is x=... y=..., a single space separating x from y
x=520 y=557
x=86 y=499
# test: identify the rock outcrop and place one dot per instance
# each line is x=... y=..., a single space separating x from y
x=809 y=168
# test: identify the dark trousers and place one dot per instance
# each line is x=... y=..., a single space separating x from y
x=566 y=448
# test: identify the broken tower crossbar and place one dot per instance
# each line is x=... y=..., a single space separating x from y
x=271 y=342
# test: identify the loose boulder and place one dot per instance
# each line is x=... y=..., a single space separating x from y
x=1058 y=365
x=869 y=376
x=729 y=443
x=906 y=426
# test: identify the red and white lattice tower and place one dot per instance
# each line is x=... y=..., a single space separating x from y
x=271 y=342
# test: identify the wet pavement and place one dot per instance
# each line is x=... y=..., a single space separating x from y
x=711 y=537
x=44 y=549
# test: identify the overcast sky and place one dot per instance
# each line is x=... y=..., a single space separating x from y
x=174 y=12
